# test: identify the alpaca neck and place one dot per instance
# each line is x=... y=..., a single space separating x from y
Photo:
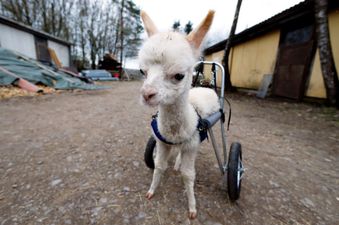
x=177 y=112
x=178 y=120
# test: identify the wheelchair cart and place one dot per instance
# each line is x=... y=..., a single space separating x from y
x=231 y=167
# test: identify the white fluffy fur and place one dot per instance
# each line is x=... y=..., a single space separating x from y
x=161 y=57
x=204 y=100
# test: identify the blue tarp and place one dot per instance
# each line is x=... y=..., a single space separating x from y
x=38 y=73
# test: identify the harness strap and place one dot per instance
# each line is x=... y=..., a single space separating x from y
x=201 y=128
x=156 y=132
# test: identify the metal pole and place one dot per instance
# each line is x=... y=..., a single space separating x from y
x=215 y=147
x=223 y=137
x=222 y=166
x=222 y=92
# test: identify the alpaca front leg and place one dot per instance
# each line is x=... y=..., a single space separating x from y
x=188 y=174
x=161 y=162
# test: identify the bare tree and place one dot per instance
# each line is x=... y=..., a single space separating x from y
x=132 y=29
x=128 y=37
x=121 y=34
x=188 y=27
x=93 y=26
x=176 y=26
x=18 y=10
x=328 y=68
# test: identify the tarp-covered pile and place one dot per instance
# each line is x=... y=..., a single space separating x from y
x=15 y=67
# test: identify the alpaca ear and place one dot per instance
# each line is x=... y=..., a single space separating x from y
x=151 y=29
x=197 y=35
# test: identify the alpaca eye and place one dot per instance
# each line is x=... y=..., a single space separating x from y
x=142 y=72
x=179 y=76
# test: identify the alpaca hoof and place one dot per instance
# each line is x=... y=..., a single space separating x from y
x=149 y=195
x=192 y=215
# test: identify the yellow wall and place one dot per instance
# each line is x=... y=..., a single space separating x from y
x=254 y=58
x=316 y=86
x=215 y=57
x=250 y=60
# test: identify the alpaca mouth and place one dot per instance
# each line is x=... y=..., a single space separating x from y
x=151 y=102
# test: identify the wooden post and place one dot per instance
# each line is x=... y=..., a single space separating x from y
x=328 y=68
x=228 y=83
x=121 y=35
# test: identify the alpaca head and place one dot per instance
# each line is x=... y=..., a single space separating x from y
x=167 y=61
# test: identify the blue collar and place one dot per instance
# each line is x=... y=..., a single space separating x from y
x=202 y=131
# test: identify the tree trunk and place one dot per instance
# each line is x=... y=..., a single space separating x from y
x=121 y=35
x=328 y=69
x=45 y=25
x=228 y=83
x=27 y=12
x=93 y=66
x=53 y=22
x=115 y=47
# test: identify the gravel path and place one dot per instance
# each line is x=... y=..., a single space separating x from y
x=77 y=158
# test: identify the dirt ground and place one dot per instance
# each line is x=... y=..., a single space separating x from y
x=77 y=158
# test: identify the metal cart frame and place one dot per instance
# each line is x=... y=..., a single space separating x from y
x=230 y=167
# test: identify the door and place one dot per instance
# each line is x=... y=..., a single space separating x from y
x=42 y=53
x=296 y=52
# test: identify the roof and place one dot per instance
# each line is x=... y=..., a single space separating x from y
x=301 y=11
x=28 y=29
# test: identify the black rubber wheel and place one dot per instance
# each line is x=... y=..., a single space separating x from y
x=234 y=172
x=149 y=152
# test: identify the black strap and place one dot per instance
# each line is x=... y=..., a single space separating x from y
x=214 y=77
x=229 y=114
x=202 y=127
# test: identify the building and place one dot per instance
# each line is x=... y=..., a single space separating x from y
x=284 y=46
x=32 y=43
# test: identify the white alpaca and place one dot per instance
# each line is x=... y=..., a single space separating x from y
x=167 y=59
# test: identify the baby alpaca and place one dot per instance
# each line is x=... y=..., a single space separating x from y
x=167 y=60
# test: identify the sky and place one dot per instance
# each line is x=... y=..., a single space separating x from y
x=252 y=12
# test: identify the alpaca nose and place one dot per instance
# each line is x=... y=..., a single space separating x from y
x=148 y=93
